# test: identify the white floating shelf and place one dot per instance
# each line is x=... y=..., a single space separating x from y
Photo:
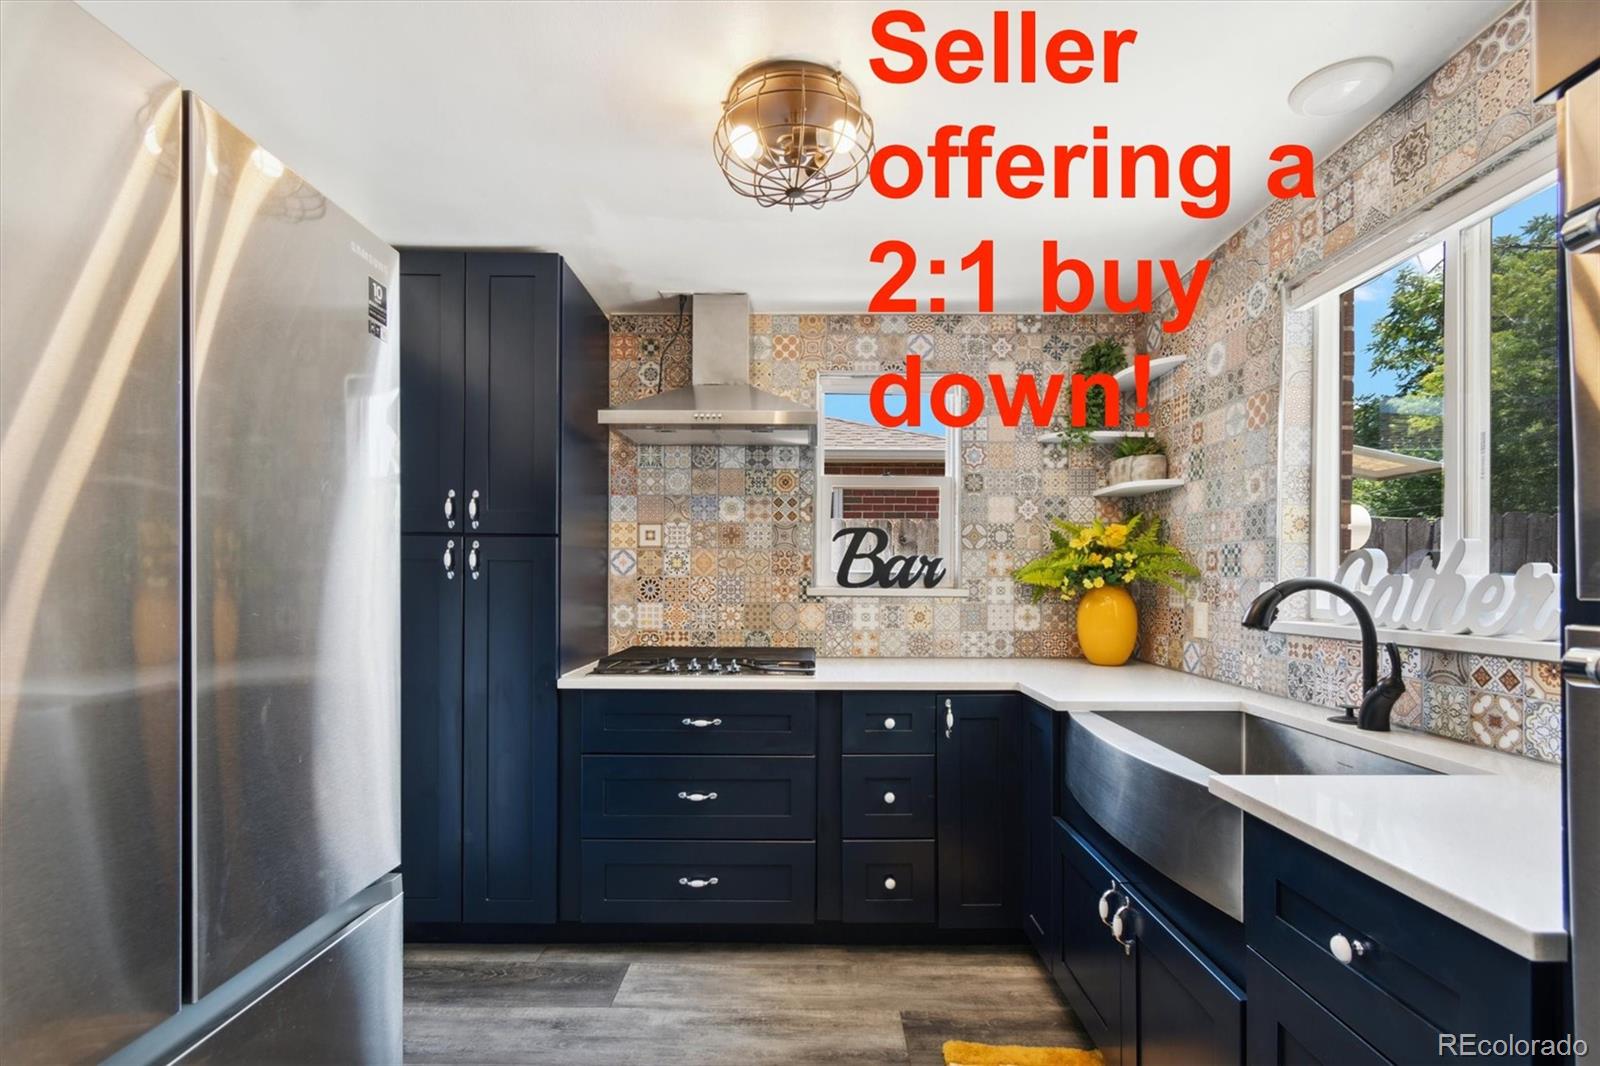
x=1159 y=368
x=1098 y=436
x=1139 y=488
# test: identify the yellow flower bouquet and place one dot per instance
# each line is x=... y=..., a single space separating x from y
x=1095 y=556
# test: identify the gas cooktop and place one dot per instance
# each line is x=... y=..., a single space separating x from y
x=700 y=662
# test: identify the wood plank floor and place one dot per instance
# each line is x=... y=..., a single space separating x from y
x=723 y=1004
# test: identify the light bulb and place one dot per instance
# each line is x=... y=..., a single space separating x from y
x=745 y=143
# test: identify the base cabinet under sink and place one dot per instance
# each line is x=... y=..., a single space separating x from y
x=1143 y=991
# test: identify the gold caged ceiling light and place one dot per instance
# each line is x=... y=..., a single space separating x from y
x=793 y=133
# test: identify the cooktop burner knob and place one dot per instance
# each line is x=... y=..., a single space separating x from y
x=672 y=666
x=694 y=666
x=714 y=666
x=733 y=667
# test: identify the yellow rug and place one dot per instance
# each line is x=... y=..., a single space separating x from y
x=962 y=1053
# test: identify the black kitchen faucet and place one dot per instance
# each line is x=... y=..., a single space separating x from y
x=1377 y=700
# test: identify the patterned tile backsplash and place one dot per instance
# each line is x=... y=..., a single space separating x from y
x=713 y=544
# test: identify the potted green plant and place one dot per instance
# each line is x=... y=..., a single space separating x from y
x=1095 y=564
x=1104 y=356
x=1140 y=458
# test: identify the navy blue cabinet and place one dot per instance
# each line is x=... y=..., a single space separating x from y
x=1092 y=970
x=430 y=730
x=481 y=392
x=1413 y=975
x=1038 y=811
x=503 y=500
x=1142 y=989
x=977 y=739
x=510 y=735
x=513 y=392
x=1288 y=1028
x=433 y=377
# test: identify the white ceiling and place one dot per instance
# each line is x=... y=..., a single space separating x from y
x=585 y=128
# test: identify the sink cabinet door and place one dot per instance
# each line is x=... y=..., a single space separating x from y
x=1092 y=970
x=1189 y=1014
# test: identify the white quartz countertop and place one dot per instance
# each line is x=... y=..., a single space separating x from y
x=1480 y=843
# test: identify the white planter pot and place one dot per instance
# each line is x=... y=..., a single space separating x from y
x=1137 y=468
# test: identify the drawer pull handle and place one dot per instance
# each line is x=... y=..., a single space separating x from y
x=697 y=797
x=888 y=723
x=888 y=797
x=701 y=723
x=1347 y=950
x=697 y=882
x=1105 y=905
x=1118 y=925
x=889 y=883
x=949 y=719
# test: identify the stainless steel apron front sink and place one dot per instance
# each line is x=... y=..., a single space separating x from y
x=1142 y=775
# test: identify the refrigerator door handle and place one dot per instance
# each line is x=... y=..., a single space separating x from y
x=1581 y=667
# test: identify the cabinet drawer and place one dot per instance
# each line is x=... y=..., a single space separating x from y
x=1285 y=1027
x=661 y=882
x=890 y=881
x=888 y=796
x=888 y=723
x=700 y=723
x=708 y=797
x=1421 y=975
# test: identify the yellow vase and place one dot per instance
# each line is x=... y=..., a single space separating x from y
x=1108 y=625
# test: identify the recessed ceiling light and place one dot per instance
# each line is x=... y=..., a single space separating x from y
x=1342 y=86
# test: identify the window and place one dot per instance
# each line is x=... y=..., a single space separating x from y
x=1436 y=384
x=900 y=481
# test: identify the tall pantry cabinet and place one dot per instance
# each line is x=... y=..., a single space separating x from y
x=503 y=509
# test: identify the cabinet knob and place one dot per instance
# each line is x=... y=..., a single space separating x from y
x=889 y=883
x=1347 y=950
x=888 y=797
x=888 y=723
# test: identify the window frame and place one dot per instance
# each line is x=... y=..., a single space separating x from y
x=828 y=486
x=1463 y=225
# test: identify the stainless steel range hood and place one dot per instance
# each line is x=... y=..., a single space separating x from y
x=720 y=406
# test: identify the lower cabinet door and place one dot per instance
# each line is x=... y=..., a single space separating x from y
x=976 y=742
x=889 y=881
x=1095 y=973
x=509 y=818
x=431 y=581
x=1286 y=1027
x=1189 y=1013
x=710 y=881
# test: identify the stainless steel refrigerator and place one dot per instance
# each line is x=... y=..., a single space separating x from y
x=1567 y=69
x=199 y=551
